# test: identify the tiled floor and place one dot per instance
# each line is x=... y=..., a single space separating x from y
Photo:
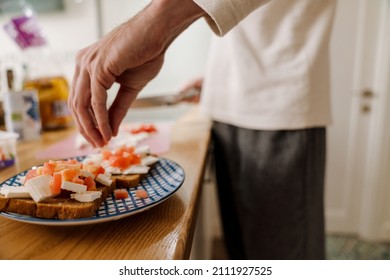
x=341 y=247
x=338 y=247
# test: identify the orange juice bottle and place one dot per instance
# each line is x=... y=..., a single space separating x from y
x=53 y=94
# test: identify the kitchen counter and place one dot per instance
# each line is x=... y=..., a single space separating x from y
x=163 y=232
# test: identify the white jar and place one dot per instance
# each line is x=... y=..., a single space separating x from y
x=22 y=114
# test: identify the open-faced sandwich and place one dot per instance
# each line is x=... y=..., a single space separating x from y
x=127 y=165
x=69 y=189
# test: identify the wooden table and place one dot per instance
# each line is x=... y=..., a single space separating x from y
x=163 y=232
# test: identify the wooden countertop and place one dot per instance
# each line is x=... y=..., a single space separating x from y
x=163 y=232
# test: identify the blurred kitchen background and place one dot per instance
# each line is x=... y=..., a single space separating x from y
x=358 y=180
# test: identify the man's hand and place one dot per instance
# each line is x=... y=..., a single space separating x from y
x=131 y=55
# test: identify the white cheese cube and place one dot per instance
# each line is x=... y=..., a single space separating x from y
x=149 y=160
x=142 y=150
x=105 y=164
x=136 y=169
x=113 y=170
x=15 y=192
x=140 y=137
x=104 y=179
x=73 y=187
x=85 y=173
x=88 y=196
x=39 y=187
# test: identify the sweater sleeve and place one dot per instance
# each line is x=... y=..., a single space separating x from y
x=223 y=15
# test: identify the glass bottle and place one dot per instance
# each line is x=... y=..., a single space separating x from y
x=41 y=69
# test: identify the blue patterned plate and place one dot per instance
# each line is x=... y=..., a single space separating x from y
x=162 y=181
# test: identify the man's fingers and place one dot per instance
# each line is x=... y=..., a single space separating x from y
x=72 y=101
x=99 y=108
x=80 y=93
x=92 y=133
x=84 y=111
x=132 y=81
x=120 y=106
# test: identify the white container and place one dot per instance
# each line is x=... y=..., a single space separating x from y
x=7 y=148
x=22 y=116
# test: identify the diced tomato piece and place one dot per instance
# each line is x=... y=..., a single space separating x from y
x=90 y=183
x=55 y=183
x=130 y=149
x=120 y=151
x=101 y=170
x=61 y=165
x=48 y=168
x=136 y=159
x=106 y=154
x=72 y=161
x=149 y=128
x=30 y=174
x=92 y=168
x=135 y=130
x=121 y=194
x=78 y=180
x=123 y=157
x=141 y=194
x=118 y=161
x=69 y=174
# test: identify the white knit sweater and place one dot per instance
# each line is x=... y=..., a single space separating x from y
x=270 y=68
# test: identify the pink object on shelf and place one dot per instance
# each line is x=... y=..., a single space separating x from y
x=24 y=30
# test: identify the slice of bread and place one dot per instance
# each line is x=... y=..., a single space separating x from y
x=126 y=181
x=62 y=208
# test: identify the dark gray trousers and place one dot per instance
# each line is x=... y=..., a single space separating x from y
x=271 y=191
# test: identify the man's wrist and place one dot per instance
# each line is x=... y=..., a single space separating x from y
x=153 y=29
x=172 y=17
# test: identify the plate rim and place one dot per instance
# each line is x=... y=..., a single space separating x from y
x=90 y=220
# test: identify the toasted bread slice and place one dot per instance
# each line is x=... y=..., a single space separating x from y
x=126 y=181
x=55 y=208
